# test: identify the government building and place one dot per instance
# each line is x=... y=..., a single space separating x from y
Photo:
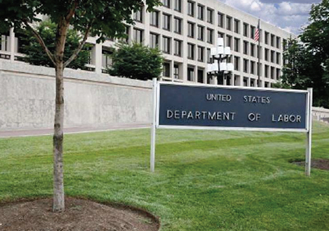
x=185 y=31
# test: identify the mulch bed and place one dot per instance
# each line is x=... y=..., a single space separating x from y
x=79 y=215
x=316 y=163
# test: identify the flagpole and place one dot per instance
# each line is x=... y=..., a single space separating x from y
x=258 y=52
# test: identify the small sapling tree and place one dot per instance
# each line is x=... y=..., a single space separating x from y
x=102 y=18
x=136 y=61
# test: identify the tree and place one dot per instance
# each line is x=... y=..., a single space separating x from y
x=102 y=18
x=136 y=61
x=47 y=31
x=308 y=57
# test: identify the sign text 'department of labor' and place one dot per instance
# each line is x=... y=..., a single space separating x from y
x=221 y=107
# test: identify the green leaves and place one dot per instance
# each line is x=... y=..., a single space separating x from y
x=47 y=30
x=136 y=62
x=308 y=59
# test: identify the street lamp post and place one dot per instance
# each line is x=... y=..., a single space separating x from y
x=220 y=54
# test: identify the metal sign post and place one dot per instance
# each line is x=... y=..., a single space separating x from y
x=308 y=154
x=153 y=129
x=200 y=106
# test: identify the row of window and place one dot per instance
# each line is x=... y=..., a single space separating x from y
x=248 y=48
x=253 y=68
x=197 y=74
x=224 y=21
x=201 y=9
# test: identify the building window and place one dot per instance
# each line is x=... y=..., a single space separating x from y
x=190 y=73
x=106 y=58
x=166 y=22
x=266 y=54
x=245 y=47
x=266 y=37
x=228 y=23
x=278 y=58
x=210 y=35
x=273 y=56
x=166 y=3
x=154 y=18
x=166 y=70
x=190 y=51
x=200 y=33
x=285 y=44
x=245 y=65
x=200 y=54
x=4 y=43
x=190 y=29
x=266 y=71
x=177 y=47
x=252 y=50
x=220 y=35
x=210 y=15
x=190 y=8
x=178 y=25
x=278 y=42
x=178 y=5
x=166 y=44
x=138 y=35
x=236 y=44
x=272 y=40
x=138 y=15
x=252 y=82
x=220 y=19
x=272 y=73
x=209 y=59
x=176 y=71
x=236 y=63
x=252 y=32
x=200 y=75
x=154 y=40
x=245 y=29
x=228 y=41
x=278 y=73
x=200 y=12
x=252 y=67
x=236 y=26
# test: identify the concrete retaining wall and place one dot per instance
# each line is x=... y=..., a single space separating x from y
x=321 y=114
x=27 y=96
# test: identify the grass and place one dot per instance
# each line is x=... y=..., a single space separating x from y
x=204 y=180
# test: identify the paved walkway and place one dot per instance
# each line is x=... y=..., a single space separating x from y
x=42 y=132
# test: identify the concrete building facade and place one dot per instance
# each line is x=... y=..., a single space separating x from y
x=185 y=30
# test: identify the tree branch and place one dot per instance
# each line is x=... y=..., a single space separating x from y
x=82 y=43
x=41 y=42
x=72 y=11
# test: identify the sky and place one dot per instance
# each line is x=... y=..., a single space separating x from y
x=290 y=15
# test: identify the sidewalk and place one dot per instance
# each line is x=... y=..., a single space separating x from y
x=43 y=132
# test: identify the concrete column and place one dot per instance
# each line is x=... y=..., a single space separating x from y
x=146 y=21
x=240 y=81
x=205 y=76
x=214 y=80
x=224 y=81
x=172 y=70
x=98 y=58
x=12 y=44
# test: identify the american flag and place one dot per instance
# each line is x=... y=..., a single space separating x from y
x=256 y=37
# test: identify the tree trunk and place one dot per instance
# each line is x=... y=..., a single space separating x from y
x=58 y=198
x=58 y=203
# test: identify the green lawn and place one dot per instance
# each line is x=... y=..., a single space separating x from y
x=204 y=180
